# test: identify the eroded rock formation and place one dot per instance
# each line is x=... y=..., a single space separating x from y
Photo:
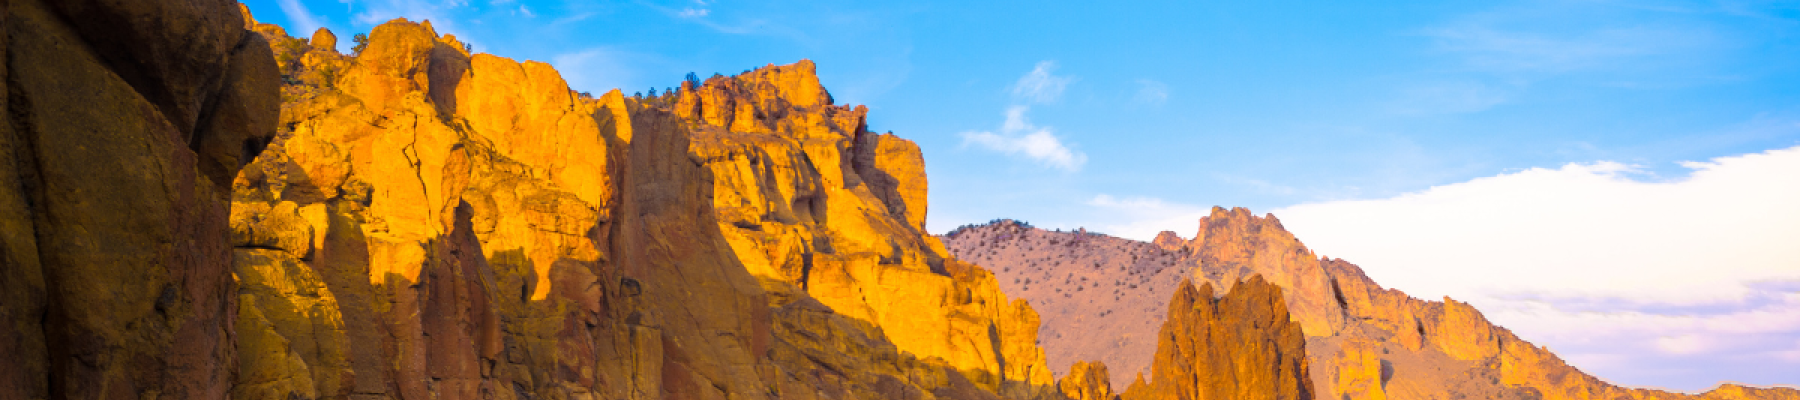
x=117 y=149
x=1240 y=346
x=435 y=223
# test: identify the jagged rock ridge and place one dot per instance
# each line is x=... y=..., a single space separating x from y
x=435 y=223
x=1363 y=341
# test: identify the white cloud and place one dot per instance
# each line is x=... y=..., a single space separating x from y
x=1141 y=218
x=1151 y=92
x=690 y=12
x=594 y=70
x=1040 y=85
x=1583 y=229
x=303 y=21
x=1698 y=274
x=1019 y=137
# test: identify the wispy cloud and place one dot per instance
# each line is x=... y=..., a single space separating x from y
x=1018 y=137
x=573 y=18
x=1041 y=85
x=1151 y=93
x=303 y=21
x=702 y=13
x=1599 y=258
x=378 y=11
x=699 y=9
x=1454 y=97
x=1530 y=40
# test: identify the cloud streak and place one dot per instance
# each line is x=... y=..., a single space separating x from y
x=1151 y=93
x=1018 y=137
x=1453 y=97
x=1041 y=85
x=303 y=20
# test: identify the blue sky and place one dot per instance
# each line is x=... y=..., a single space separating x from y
x=1134 y=118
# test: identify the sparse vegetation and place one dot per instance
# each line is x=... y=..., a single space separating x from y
x=362 y=42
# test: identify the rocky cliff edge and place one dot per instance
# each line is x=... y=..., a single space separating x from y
x=435 y=223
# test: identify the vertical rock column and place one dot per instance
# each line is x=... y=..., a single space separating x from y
x=1241 y=346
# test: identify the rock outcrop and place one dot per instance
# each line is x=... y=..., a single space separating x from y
x=438 y=224
x=1363 y=341
x=1087 y=380
x=1240 y=346
x=125 y=123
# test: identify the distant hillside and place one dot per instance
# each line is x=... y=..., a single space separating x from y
x=1364 y=341
x=1106 y=295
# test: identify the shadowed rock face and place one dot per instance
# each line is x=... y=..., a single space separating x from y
x=438 y=224
x=1098 y=296
x=124 y=124
x=1241 y=346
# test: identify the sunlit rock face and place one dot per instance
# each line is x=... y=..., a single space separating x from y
x=1101 y=298
x=1239 y=346
x=435 y=223
x=125 y=123
x=1087 y=380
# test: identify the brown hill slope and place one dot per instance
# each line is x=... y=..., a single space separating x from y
x=1107 y=295
x=434 y=223
x=1364 y=341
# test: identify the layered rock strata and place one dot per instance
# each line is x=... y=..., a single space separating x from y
x=124 y=125
x=1364 y=341
x=439 y=224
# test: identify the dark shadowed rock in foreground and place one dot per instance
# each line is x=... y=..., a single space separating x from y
x=125 y=123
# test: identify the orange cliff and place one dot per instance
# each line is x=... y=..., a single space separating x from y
x=1100 y=299
x=434 y=223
